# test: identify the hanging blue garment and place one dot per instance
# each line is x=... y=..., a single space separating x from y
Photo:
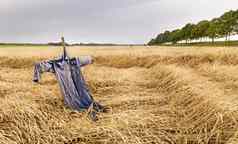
x=72 y=84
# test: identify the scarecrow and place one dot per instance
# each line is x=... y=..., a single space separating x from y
x=72 y=84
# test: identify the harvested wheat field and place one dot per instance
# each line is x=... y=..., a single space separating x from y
x=163 y=95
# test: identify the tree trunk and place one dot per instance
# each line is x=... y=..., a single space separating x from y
x=229 y=36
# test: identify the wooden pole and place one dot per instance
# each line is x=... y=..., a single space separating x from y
x=64 y=47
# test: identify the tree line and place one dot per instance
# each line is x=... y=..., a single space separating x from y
x=224 y=26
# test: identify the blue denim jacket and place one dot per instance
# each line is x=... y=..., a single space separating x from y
x=68 y=74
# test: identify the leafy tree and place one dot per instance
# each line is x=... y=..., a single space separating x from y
x=228 y=21
x=235 y=27
x=214 y=29
x=152 y=42
x=200 y=29
x=186 y=32
x=175 y=36
x=166 y=37
x=195 y=32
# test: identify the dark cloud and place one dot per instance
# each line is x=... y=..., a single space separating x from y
x=124 y=21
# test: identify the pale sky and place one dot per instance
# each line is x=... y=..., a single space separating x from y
x=106 y=21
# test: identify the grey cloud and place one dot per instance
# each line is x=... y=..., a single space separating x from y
x=124 y=21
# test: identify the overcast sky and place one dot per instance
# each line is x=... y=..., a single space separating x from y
x=106 y=21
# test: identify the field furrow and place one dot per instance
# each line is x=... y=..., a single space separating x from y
x=157 y=95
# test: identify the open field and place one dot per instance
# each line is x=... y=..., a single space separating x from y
x=163 y=95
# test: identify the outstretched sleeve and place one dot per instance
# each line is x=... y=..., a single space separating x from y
x=41 y=67
x=84 y=60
